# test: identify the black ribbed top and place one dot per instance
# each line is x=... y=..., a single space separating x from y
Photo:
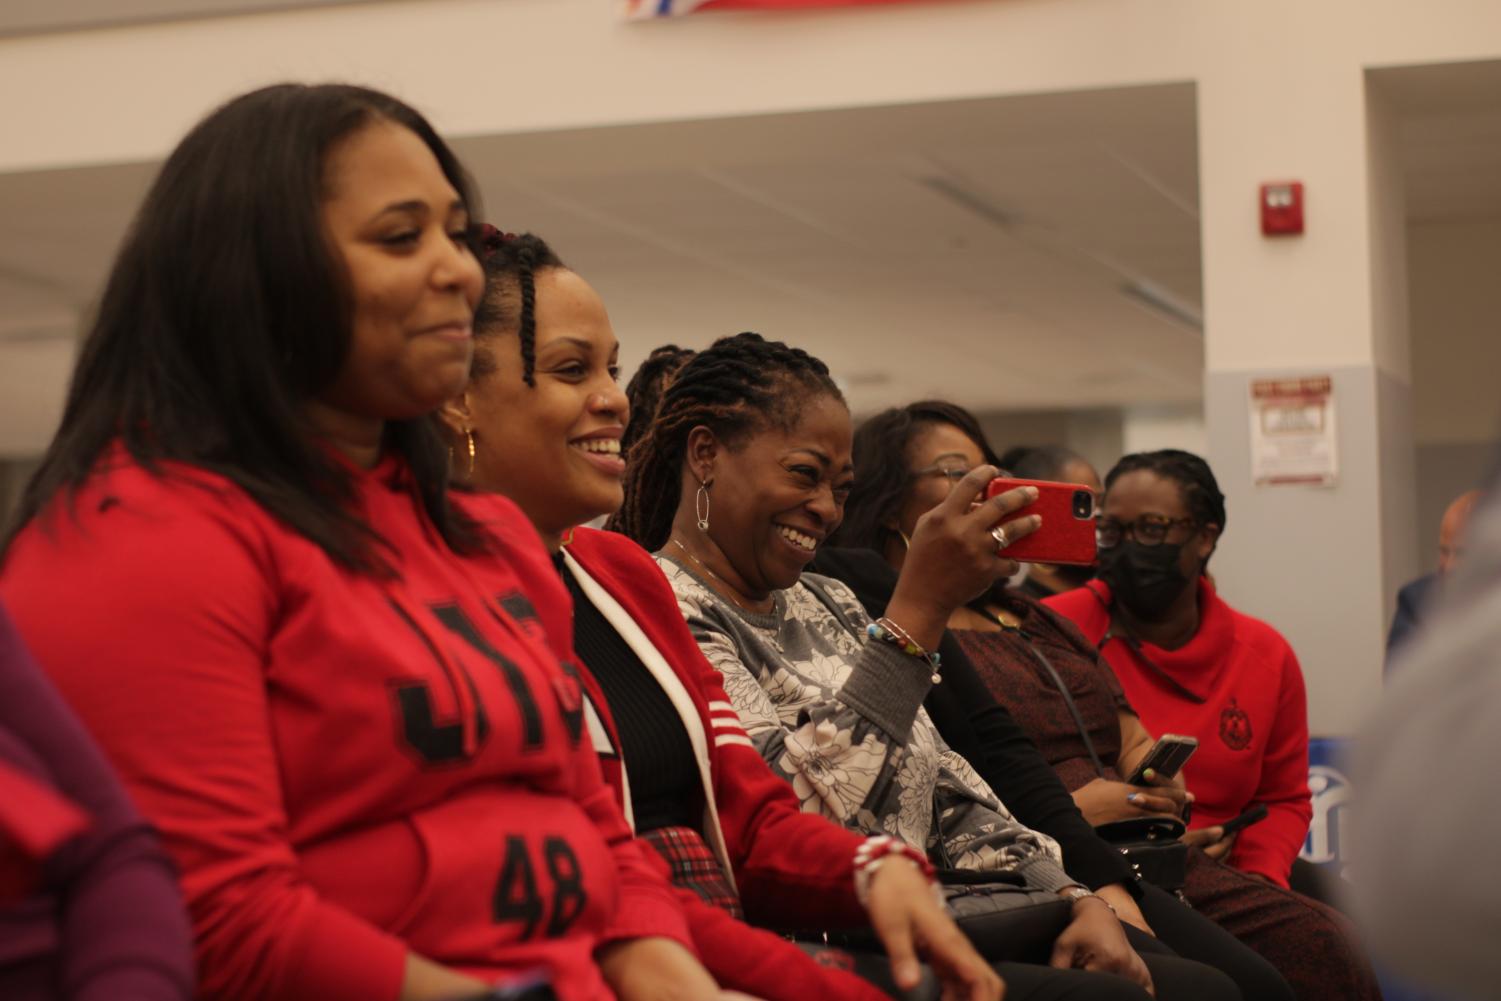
x=665 y=787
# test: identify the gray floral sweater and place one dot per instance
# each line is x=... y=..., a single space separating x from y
x=841 y=719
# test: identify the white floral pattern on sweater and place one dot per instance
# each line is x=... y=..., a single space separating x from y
x=841 y=718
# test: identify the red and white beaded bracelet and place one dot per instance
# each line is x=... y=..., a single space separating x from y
x=875 y=850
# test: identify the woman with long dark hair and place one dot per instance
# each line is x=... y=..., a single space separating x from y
x=345 y=698
x=1011 y=640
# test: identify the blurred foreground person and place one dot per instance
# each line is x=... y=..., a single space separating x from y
x=89 y=905
x=1425 y=767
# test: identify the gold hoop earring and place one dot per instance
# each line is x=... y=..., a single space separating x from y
x=469 y=440
x=906 y=542
x=701 y=505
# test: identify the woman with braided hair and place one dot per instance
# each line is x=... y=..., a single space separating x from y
x=541 y=421
x=1013 y=647
x=645 y=389
x=1191 y=664
x=741 y=476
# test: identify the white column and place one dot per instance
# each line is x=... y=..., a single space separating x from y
x=1319 y=563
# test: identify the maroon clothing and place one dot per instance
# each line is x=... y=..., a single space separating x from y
x=1021 y=684
x=1309 y=944
x=105 y=921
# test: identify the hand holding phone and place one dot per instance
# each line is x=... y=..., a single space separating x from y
x=1067 y=532
x=1166 y=758
x=1255 y=813
x=1220 y=847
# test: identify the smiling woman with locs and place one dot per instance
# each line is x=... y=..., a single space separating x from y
x=741 y=476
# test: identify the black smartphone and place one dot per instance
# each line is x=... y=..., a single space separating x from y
x=1166 y=758
x=1255 y=812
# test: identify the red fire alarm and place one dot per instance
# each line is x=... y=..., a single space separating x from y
x=1282 y=208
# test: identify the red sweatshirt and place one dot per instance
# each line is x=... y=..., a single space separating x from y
x=1238 y=688
x=344 y=766
x=792 y=869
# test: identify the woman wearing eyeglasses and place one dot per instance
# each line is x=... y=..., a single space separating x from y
x=1191 y=664
x=1008 y=648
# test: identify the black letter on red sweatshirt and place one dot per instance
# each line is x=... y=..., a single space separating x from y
x=436 y=743
x=454 y=618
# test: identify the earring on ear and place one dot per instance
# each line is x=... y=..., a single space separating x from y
x=701 y=504
x=469 y=441
x=906 y=542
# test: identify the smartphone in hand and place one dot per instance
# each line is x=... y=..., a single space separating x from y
x=1067 y=532
x=1255 y=813
x=1167 y=757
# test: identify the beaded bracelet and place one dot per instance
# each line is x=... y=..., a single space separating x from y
x=874 y=851
x=887 y=631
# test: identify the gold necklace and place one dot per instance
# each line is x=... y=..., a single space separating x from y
x=725 y=587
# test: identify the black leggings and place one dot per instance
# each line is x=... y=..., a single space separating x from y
x=1173 y=977
x=1193 y=936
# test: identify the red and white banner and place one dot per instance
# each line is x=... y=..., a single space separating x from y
x=643 y=9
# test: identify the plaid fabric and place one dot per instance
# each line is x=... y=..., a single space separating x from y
x=694 y=866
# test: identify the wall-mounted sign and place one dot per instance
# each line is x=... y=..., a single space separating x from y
x=1293 y=436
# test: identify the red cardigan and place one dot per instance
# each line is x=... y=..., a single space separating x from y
x=1235 y=685
x=792 y=869
x=344 y=766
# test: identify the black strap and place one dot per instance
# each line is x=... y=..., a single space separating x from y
x=1073 y=709
x=1047 y=665
x=1135 y=646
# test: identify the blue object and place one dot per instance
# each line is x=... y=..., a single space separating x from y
x=1411 y=601
x=1327 y=844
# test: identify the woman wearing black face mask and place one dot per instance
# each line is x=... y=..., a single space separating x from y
x=1005 y=648
x=1191 y=664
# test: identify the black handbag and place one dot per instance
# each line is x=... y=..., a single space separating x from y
x=1152 y=845
x=1004 y=920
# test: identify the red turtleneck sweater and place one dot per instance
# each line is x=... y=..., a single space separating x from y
x=1235 y=685
x=344 y=766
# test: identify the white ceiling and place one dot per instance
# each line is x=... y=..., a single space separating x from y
x=977 y=249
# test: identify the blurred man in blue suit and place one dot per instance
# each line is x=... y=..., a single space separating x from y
x=1415 y=597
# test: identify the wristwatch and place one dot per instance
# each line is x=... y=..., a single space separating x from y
x=1074 y=894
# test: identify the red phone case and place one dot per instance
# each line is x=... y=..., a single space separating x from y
x=1064 y=537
